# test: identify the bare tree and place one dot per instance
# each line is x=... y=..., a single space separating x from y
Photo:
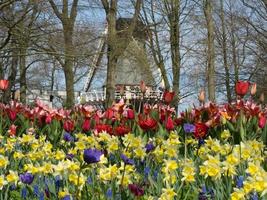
x=68 y=21
x=224 y=51
x=116 y=42
x=207 y=7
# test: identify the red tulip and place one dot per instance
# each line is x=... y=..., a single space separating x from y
x=68 y=126
x=48 y=119
x=169 y=124
x=86 y=125
x=178 y=121
x=4 y=84
x=168 y=96
x=241 y=88
x=162 y=116
x=109 y=114
x=148 y=124
x=12 y=130
x=147 y=109
x=143 y=87
x=122 y=130
x=103 y=128
x=130 y=114
x=136 y=190
x=12 y=114
x=200 y=130
x=262 y=121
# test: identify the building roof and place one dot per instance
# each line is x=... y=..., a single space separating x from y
x=140 y=31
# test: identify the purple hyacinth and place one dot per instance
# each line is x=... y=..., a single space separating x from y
x=254 y=196
x=127 y=160
x=24 y=193
x=201 y=141
x=109 y=193
x=89 y=180
x=189 y=128
x=146 y=171
x=203 y=193
x=42 y=196
x=26 y=178
x=67 y=137
x=69 y=156
x=36 y=190
x=92 y=155
x=149 y=147
x=67 y=197
x=239 y=181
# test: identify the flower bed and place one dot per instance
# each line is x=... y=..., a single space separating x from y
x=208 y=152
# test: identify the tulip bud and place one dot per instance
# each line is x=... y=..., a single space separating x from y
x=12 y=130
x=241 y=88
x=262 y=98
x=253 y=89
x=223 y=120
x=130 y=114
x=201 y=96
x=86 y=125
x=169 y=124
x=262 y=121
x=48 y=119
x=143 y=87
x=4 y=84
x=168 y=96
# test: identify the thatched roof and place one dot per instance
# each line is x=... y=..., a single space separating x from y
x=140 y=31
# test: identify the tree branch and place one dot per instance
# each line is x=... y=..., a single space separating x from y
x=73 y=12
x=135 y=17
x=105 y=5
x=5 y=4
x=53 y=5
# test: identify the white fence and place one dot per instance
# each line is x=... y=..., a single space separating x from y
x=92 y=96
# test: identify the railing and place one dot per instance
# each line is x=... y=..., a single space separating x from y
x=94 y=96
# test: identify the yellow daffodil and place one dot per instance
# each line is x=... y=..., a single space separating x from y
x=167 y=194
x=238 y=195
x=2 y=182
x=12 y=177
x=3 y=161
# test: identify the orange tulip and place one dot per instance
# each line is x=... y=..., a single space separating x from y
x=201 y=96
x=241 y=88
x=253 y=89
x=168 y=96
x=4 y=84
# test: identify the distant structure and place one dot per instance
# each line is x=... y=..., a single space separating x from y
x=132 y=68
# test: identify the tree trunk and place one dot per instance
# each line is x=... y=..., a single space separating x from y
x=211 y=50
x=175 y=49
x=116 y=44
x=13 y=73
x=110 y=86
x=68 y=66
x=155 y=46
x=23 y=80
x=233 y=45
x=234 y=52
x=225 y=61
x=67 y=18
x=112 y=60
x=164 y=74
